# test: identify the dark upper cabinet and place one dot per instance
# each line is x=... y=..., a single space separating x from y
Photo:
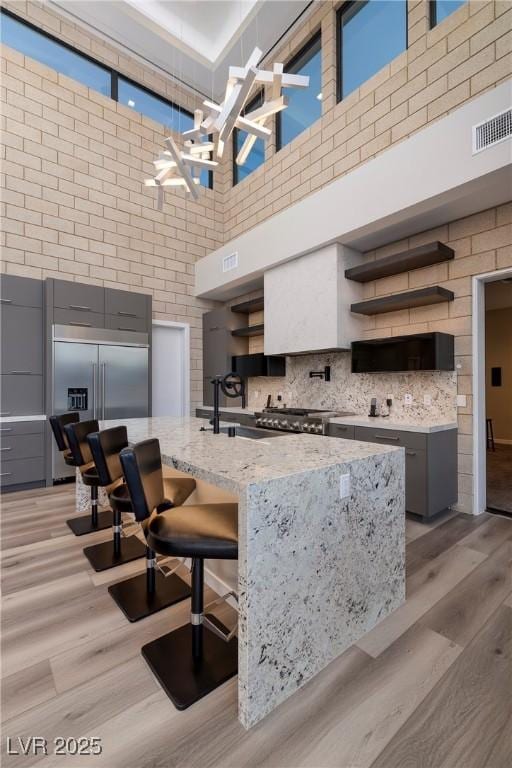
x=21 y=395
x=125 y=304
x=21 y=291
x=79 y=297
x=219 y=347
x=259 y=365
x=22 y=339
x=417 y=352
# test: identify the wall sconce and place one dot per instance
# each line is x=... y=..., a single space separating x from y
x=325 y=374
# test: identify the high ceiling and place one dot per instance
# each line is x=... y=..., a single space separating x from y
x=194 y=40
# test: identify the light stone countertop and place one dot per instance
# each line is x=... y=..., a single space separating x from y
x=386 y=422
x=236 y=462
x=316 y=570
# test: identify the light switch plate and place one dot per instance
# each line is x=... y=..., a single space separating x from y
x=344 y=486
x=427 y=399
x=408 y=398
x=461 y=401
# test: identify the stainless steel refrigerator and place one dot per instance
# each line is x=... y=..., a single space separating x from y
x=103 y=374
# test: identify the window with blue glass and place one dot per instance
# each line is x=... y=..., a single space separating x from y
x=29 y=41
x=256 y=155
x=440 y=9
x=371 y=33
x=304 y=104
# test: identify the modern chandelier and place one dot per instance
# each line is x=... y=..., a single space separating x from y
x=177 y=167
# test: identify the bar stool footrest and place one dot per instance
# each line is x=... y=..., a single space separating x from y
x=102 y=556
x=133 y=598
x=185 y=680
x=83 y=525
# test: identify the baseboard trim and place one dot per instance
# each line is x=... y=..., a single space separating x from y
x=500 y=441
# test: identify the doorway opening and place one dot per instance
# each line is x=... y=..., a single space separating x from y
x=492 y=390
x=170 y=368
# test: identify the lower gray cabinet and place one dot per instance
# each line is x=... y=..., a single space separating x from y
x=430 y=464
x=22 y=454
x=341 y=430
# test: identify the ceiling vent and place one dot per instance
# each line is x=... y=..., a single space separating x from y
x=230 y=262
x=492 y=131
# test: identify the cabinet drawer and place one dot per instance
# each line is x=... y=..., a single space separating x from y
x=413 y=440
x=341 y=430
x=21 y=291
x=22 y=339
x=21 y=471
x=118 y=323
x=15 y=428
x=21 y=395
x=125 y=304
x=79 y=297
x=21 y=447
x=78 y=317
x=416 y=496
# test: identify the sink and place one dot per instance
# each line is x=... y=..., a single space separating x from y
x=253 y=433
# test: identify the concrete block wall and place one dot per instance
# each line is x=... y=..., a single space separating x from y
x=73 y=204
x=467 y=53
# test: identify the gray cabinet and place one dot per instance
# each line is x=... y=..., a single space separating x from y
x=430 y=464
x=126 y=305
x=22 y=339
x=83 y=319
x=22 y=348
x=22 y=454
x=219 y=346
x=79 y=297
x=247 y=419
x=124 y=323
x=21 y=291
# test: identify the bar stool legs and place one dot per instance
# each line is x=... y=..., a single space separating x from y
x=148 y=592
x=96 y=521
x=192 y=661
x=117 y=551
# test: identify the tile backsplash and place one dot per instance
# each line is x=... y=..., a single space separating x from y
x=349 y=391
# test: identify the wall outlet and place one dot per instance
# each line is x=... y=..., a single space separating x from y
x=461 y=401
x=344 y=486
x=427 y=400
x=389 y=397
x=408 y=399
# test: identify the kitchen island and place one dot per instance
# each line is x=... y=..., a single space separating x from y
x=315 y=572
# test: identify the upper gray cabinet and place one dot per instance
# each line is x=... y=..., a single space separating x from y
x=21 y=291
x=78 y=297
x=22 y=340
x=219 y=346
x=125 y=304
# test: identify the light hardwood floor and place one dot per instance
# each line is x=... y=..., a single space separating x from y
x=430 y=687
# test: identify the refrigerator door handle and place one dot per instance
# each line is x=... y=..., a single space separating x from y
x=94 y=392
x=103 y=376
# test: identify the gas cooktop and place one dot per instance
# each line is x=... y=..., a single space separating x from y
x=312 y=420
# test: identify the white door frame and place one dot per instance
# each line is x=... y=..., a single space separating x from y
x=185 y=327
x=479 y=427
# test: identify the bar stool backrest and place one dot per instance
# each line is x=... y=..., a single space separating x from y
x=58 y=423
x=105 y=448
x=142 y=467
x=77 y=439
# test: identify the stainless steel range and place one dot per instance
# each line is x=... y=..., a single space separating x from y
x=296 y=419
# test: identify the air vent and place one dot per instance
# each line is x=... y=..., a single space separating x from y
x=492 y=131
x=230 y=262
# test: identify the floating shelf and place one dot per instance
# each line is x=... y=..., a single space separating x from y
x=407 y=300
x=250 y=330
x=246 y=307
x=415 y=258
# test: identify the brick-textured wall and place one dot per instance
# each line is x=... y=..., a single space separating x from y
x=73 y=204
x=466 y=54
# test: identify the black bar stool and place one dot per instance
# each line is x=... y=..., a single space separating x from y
x=193 y=660
x=85 y=523
x=107 y=554
x=148 y=592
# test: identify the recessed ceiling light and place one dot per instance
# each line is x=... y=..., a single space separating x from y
x=319 y=96
x=131 y=103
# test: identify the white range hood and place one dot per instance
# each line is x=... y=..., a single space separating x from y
x=307 y=303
